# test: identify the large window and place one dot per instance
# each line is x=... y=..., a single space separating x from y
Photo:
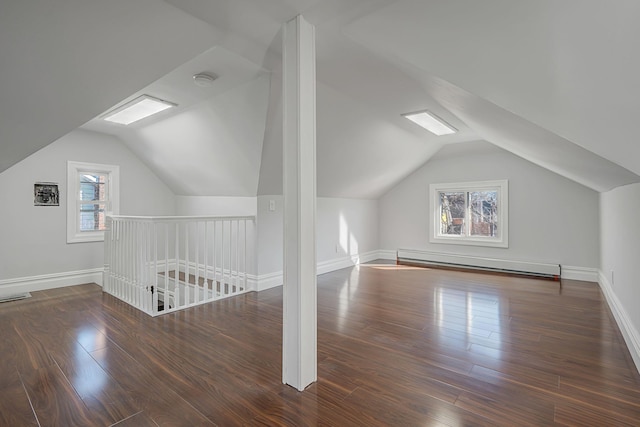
x=93 y=192
x=470 y=213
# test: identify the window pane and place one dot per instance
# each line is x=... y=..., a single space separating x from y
x=452 y=213
x=92 y=217
x=470 y=213
x=93 y=187
x=484 y=208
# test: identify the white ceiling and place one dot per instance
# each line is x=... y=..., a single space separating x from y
x=552 y=82
x=219 y=154
x=64 y=62
x=211 y=143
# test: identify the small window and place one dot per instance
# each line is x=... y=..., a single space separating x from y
x=93 y=193
x=472 y=213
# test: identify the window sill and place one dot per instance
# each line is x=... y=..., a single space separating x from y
x=492 y=243
x=97 y=236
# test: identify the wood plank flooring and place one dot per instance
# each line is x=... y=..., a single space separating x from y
x=397 y=346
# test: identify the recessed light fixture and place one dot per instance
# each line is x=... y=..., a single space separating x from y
x=138 y=109
x=204 y=79
x=431 y=122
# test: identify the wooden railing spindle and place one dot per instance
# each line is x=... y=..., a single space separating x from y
x=138 y=263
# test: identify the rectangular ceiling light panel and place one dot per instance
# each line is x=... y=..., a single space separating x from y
x=431 y=122
x=138 y=109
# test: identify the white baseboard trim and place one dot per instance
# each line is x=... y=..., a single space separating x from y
x=345 y=261
x=629 y=332
x=265 y=281
x=579 y=273
x=387 y=254
x=50 y=281
x=368 y=257
x=334 y=264
x=271 y=280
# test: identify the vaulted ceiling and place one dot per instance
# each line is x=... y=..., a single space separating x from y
x=552 y=82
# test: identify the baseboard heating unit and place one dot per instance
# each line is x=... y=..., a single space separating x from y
x=534 y=269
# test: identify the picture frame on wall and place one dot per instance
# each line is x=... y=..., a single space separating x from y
x=46 y=194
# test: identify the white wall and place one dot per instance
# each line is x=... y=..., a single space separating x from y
x=270 y=235
x=215 y=205
x=270 y=181
x=223 y=206
x=551 y=219
x=351 y=225
x=33 y=241
x=620 y=252
x=346 y=227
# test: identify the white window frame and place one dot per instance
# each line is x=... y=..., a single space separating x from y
x=500 y=241
x=74 y=169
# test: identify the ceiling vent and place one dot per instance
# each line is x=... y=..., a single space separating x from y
x=204 y=79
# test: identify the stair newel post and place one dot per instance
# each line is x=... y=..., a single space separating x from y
x=222 y=251
x=187 y=267
x=237 y=240
x=165 y=279
x=206 y=261
x=154 y=270
x=176 y=268
x=196 y=262
x=107 y=255
x=214 y=284
x=244 y=262
x=131 y=279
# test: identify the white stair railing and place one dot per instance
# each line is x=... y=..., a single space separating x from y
x=164 y=264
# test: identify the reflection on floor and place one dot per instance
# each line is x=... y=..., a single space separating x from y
x=397 y=345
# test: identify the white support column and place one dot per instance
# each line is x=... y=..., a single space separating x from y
x=299 y=347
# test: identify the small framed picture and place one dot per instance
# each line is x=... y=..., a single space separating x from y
x=46 y=194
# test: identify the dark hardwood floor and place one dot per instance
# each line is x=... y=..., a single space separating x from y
x=397 y=346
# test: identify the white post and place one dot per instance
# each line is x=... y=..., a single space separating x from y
x=214 y=284
x=244 y=262
x=196 y=287
x=299 y=355
x=206 y=261
x=222 y=285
